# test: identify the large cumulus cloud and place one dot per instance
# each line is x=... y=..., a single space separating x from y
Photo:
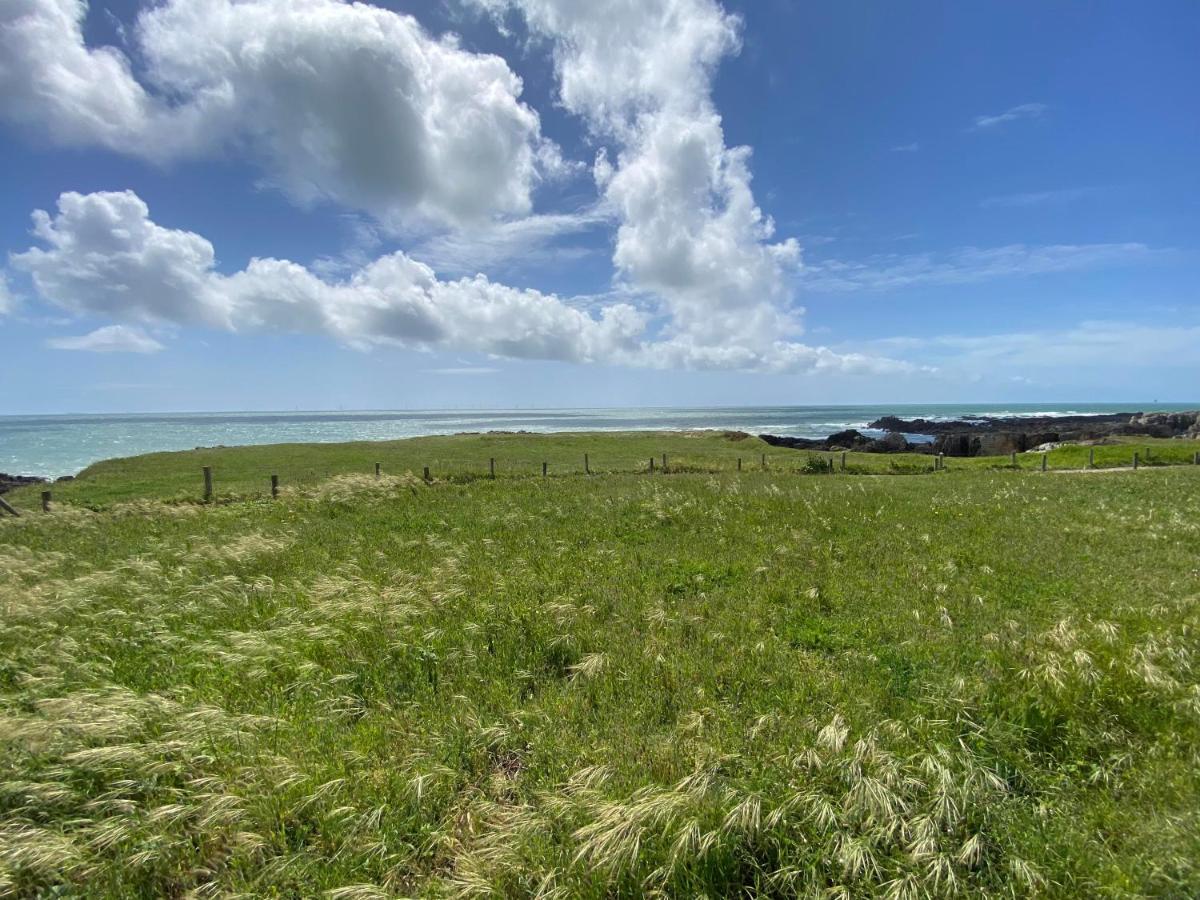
x=690 y=233
x=102 y=254
x=349 y=102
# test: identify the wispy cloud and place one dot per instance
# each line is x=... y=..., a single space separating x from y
x=1040 y=198
x=125 y=386
x=967 y=265
x=467 y=251
x=906 y=148
x=7 y=301
x=1024 y=111
x=1018 y=354
x=109 y=339
x=462 y=370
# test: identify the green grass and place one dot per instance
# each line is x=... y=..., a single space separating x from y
x=981 y=682
x=244 y=472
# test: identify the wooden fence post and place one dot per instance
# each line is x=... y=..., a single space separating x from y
x=1091 y=457
x=1012 y=459
x=1135 y=461
x=1196 y=460
x=544 y=467
x=427 y=473
x=587 y=467
x=378 y=469
x=492 y=467
x=652 y=465
x=1045 y=456
x=843 y=460
x=740 y=462
x=207 y=483
x=664 y=462
x=45 y=501
x=4 y=505
x=764 y=460
x=275 y=486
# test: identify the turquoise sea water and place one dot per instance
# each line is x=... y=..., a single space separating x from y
x=63 y=444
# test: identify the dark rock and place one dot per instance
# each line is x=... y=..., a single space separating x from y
x=795 y=443
x=997 y=435
x=1103 y=423
x=892 y=442
x=850 y=439
x=64 y=478
x=1000 y=435
x=8 y=482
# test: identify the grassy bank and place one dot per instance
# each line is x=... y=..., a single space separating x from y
x=982 y=682
x=244 y=472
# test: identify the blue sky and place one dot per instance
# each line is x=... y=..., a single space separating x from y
x=503 y=203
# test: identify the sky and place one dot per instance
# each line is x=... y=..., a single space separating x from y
x=309 y=204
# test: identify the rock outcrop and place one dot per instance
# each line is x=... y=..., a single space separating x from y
x=8 y=482
x=999 y=435
x=850 y=439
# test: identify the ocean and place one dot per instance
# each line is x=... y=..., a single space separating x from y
x=53 y=445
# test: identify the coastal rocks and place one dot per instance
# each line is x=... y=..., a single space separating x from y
x=850 y=439
x=1103 y=423
x=995 y=443
x=1001 y=435
x=8 y=482
x=998 y=435
x=1172 y=424
x=794 y=443
x=892 y=442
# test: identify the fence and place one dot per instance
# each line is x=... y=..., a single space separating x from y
x=814 y=464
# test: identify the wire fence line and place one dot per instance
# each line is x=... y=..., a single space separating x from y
x=813 y=463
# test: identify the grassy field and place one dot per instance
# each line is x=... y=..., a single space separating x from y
x=244 y=472
x=979 y=683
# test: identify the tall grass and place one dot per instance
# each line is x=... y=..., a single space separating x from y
x=981 y=684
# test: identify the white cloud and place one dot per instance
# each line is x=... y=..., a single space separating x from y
x=343 y=101
x=1039 y=198
x=104 y=255
x=906 y=148
x=109 y=339
x=968 y=265
x=474 y=249
x=690 y=232
x=7 y=301
x=1024 y=111
x=463 y=370
x=359 y=104
x=1056 y=353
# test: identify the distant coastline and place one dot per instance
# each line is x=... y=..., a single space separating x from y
x=50 y=446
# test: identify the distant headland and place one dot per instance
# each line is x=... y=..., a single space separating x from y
x=997 y=435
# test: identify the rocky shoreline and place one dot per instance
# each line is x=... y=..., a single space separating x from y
x=11 y=482
x=997 y=435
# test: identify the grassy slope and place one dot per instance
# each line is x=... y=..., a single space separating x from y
x=981 y=681
x=245 y=471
